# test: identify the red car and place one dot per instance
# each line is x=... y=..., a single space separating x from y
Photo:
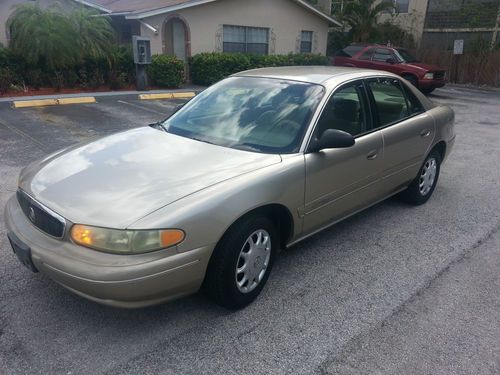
x=392 y=59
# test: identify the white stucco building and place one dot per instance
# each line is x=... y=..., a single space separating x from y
x=187 y=27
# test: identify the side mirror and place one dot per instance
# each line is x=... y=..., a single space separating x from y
x=391 y=60
x=333 y=138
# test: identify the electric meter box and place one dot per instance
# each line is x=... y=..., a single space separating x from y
x=142 y=50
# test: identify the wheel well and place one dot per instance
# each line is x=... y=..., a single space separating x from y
x=279 y=214
x=441 y=148
x=411 y=75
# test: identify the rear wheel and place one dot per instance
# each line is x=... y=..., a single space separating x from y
x=242 y=262
x=427 y=91
x=422 y=187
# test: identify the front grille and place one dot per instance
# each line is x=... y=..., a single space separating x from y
x=439 y=75
x=41 y=217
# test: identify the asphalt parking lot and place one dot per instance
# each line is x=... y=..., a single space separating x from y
x=392 y=290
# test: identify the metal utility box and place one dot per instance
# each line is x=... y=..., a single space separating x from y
x=142 y=50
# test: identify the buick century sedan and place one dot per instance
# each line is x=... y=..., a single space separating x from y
x=206 y=198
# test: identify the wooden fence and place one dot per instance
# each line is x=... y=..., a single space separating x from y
x=479 y=68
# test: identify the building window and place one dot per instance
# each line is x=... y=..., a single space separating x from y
x=401 y=6
x=398 y=6
x=246 y=39
x=338 y=6
x=306 y=40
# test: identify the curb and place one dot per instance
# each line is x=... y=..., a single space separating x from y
x=49 y=102
x=168 y=95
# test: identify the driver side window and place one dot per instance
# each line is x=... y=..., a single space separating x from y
x=346 y=110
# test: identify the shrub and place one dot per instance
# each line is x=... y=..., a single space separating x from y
x=7 y=78
x=166 y=71
x=117 y=69
x=12 y=61
x=122 y=67
x=35 y=78
x=208 y=68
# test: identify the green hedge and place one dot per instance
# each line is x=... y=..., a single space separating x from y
x=166 y=71
x=116 y=70
x=208 y=68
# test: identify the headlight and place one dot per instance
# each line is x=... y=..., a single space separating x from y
x=125 y=241
x=429 y=76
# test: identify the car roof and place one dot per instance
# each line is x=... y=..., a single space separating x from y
x=312 y=74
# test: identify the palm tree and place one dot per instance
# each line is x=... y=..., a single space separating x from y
x=56 y=39
x=43 y=36
x=95 y=33
x=361 y=16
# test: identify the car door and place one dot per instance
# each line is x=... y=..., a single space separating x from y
x=408 y=131
x=364 y=59
x=341 y=181
x=380 y=59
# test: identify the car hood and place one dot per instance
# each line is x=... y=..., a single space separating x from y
x=114 y=181
x=423 y=66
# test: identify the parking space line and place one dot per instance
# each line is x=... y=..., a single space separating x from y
x=42 y=146
x=141 y=107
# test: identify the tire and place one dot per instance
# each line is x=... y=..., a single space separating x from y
x=427 y=91
x=223 y=283
x=412 y=79
x=421 y=188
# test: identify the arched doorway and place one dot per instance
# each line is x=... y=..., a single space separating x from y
x=176 y=38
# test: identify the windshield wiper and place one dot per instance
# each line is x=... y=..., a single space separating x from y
x=158 y=125
x=200 y=140
x=245 y=146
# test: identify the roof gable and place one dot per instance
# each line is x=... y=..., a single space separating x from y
x=134 y=9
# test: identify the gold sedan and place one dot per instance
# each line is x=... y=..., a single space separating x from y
x=207 y=198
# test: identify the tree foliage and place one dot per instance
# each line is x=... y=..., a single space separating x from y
x=362 y=16
x=95 y=32
x=56 y=39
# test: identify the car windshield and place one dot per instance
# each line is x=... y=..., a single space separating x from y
x=405 y=56
x=250 y=113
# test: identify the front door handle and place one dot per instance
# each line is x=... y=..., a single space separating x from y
x=372 y=155
x=425 y=133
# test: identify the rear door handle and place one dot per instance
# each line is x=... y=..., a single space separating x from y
x=425 y=133
x=372 y=155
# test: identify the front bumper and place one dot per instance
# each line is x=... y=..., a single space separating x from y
x=127 y=281
x=431 y=83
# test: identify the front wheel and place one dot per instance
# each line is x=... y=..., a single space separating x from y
x=242 y=262
x=422 y=187
x=427 y=91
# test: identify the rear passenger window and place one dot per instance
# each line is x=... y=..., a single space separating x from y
x=346 y=110
x=390 y=100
